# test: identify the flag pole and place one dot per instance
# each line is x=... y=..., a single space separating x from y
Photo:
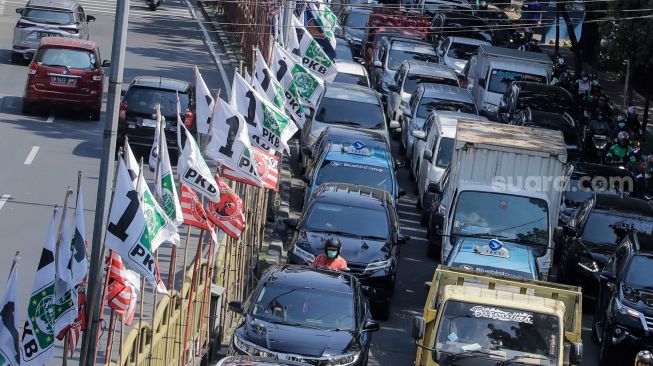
x=69 y=192
x=142 y=294
x=109 y=348
x=207 y=288
x=122 y=331
x=198 y=256
x=66 y=337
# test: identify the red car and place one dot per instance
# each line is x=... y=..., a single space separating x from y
x=66 y=72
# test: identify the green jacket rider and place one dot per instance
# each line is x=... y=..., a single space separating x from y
x=621 y=150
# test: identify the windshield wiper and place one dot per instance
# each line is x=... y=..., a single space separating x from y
x=469 y=354
x=294 y=324
x=331 y=232
x=56 y=65
x=516 y=359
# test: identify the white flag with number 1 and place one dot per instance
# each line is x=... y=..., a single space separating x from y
x=203 y=104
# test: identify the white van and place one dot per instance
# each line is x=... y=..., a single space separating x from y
x=488 y=74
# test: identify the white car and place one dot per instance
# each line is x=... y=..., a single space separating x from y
x=455 y=52
x=350 y=72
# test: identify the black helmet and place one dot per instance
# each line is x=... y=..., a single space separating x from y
x=644 y=358
x=332 y=244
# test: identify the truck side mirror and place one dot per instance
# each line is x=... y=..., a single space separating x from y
x=428 y=155
x=481 y=82
x=236 y=306
x=419 y=326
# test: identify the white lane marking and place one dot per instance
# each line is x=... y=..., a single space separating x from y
x=209 y=42
x=50 y=119
x=2 y=7
x=31 y=155
x=414 y=213
x=403 y=204
x=4 y=199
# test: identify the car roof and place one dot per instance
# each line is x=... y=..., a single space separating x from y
x=429 y=68
x=53 y=4
x=65 y=42
x=304 y=276
x=349 y=67
x=161 y=83
x=417 y=46
x=544 y=89
x=521 y=257
x=352 y=194
x=593 y=170
x=378 y=157
x=623 y=205
x=351 y=92
x=447 y=92
x=467 y=40
x=354 y=133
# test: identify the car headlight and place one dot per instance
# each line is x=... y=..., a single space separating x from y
x=344 y=360
x=588 y=264
x=492 y=108
x=301 y=253
x=250 y=348
x=625 y=310
x=375 y=266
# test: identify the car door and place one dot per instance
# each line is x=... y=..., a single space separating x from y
x=607 y=289
x=394 y=97
x=573 y=241
x=418 y=146
x=407 y=119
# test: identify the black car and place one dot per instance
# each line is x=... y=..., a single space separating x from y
x=623 y=321
x=366 y=222
x=137 y=119
x=554 y=121
x=434 y=246
x=354 y=21
x=344 y=50
x=340 y=135
x=593 y=233
x=521 y=95
x=303 y=314
x=256 y=361
x=448 y=23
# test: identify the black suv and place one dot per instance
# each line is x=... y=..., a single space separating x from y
x=137 y=118
x=623 y=321
x=307 y=315
x=594 y=232
x=365 y=220
x=538 y=97
x=557 y=122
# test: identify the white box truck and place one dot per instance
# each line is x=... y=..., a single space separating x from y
x=506 y=183
x=488 y=74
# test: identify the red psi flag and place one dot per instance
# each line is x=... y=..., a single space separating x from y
x=267 y=168
x=123 y=289
x=191 y=207
x=228 y=214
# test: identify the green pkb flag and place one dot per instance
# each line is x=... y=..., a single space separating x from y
x=307 y=84
x=313 y=57
x=37 y=342
x=166 y=190
x=278 y=123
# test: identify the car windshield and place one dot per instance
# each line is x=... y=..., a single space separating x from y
x=607 y=227
x=71 y=58
x=428 y=105
x=506 y=215
x=345 y=78
x=48 y=16
x=412 y=81
x=462 y=51
x=305 y=306
x=468 y=327
x=445 y=152
x=346 y=219
x=401 y=54
x=356 y=19
x=143 y=100
x=350 y=113
x=500 y=79
x=639 y=274
x=363 y=174
x=343 y=51
x=545 y=102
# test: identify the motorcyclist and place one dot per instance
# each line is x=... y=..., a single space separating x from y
x=621 y=151
x=644 y=358
x=621 y=126
x=601 y=104
x=583 y=84
x=599 y=122
x=331 y=258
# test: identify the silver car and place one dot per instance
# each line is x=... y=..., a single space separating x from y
x=47 y=18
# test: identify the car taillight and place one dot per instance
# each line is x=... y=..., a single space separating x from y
x=32 y=68
x=97 y=77
x=123 y=112
x=188 y=119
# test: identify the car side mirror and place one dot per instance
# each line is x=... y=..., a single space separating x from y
x=481 y=82
x=20 y=10
x=402 y=239
x=440 y=52
x=609 y=277
x=407 y=112
x=394 y=125
x=402 y=192
x=434 y=187
x=393 y=88
x=306 y=151
x=306 y=179
x=420 y=135
x=428 y=155
x=418 y=328
x=377 y=63
x=90 y=18
x=291 y=223
x=106 y=63
x=236 y=306
x=371 y=326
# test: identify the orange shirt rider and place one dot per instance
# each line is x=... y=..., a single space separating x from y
x=331 y=258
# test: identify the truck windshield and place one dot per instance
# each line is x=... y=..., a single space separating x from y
x=505 y=215
x=500 y=79
x=499 y=331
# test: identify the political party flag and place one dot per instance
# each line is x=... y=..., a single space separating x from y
x=313 y=57
x=203 y=104
x=269 y=128
x=267 y=170
x=9 y=338
x=285 y=65
x=137 y=225
x=191 y=207
x=166 y=191
x=122 y=290
x=37 y=342
x=322 y=23
x=79 y=263
x=154 y=151
x=229 y=214
x=192 y=168
x=65 y=299
x=79 y=326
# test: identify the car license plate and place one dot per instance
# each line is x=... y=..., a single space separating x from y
x=148 y=122
x=45 y=34
x=62 y=80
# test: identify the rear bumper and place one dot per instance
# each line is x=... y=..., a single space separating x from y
x=93 y=100
x=144 y=136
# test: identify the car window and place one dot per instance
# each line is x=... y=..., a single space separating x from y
x=343 y=51
x=639 y=271
x=347 y=219
x=353 y=79
x=48 y=16
x=363 y=174
x=143 y=100
x=412 y=81
x=71 y=58
x=428 y=105
x=397 y=56
x=604 y=227
x=462 y=51
x=350 y=113
x=445 y=152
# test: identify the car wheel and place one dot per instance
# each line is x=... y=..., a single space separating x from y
x=16 y=58
x=381 y=310
x=95 y=114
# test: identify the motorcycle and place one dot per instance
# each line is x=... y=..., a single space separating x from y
x=153 y=4
x=600 y=139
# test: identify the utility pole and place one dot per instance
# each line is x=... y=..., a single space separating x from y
x=87 y=356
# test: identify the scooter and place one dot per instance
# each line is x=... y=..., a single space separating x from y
x=599 y=143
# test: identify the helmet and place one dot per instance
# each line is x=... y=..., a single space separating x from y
x=622 y=136
x=561 y=61
x=644 y=358
x=332 y=244
x=632 y=110
x=583 y=75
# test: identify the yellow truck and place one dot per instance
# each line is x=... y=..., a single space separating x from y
x=472 y=319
